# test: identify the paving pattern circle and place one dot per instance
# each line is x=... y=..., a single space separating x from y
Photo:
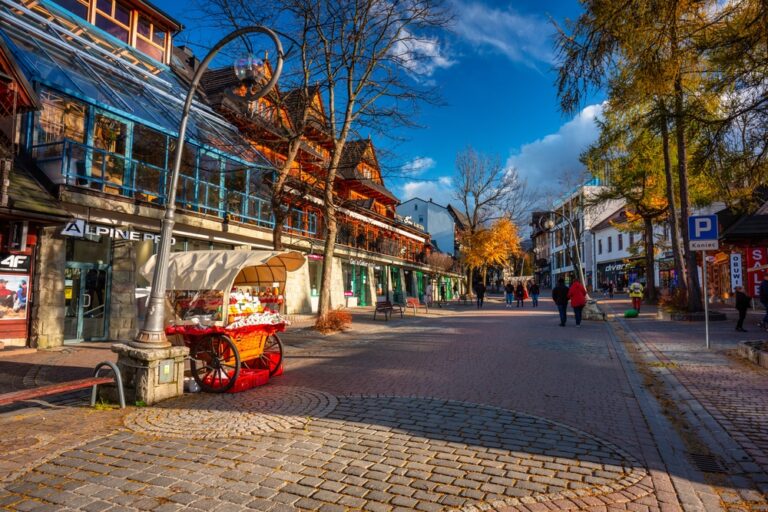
x=209 y=415
x=368 y=453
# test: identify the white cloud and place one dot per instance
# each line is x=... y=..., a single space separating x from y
x=439 y=190
x=546 y=161
x=421 y=56
x=419 y=165
x=521 y=38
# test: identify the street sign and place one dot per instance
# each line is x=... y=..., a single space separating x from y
x=702 y=233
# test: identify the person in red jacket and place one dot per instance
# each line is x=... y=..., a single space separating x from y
x=578 y=296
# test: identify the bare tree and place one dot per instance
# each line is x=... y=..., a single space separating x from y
x=483 y=188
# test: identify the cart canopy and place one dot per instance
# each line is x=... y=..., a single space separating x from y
x=221 y=270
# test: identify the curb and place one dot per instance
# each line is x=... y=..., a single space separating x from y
x=754 y=351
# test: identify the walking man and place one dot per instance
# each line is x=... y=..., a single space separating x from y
x=610 y=289
x=509 y=291
x=742 y=305
x=560 y=297
x=578 y=295
x=480 y=291
x=520 y=295
x=535 y=290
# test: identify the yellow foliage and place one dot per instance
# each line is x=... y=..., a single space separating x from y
x=494 y=245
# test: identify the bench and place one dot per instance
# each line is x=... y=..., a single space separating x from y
x=72 y=385
x=386 y=307
x=413 y=302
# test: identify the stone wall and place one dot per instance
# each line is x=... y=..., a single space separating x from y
x=122 y=311
x=47 y=314
x=297 y=291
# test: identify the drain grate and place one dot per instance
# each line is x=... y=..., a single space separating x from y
x=706 y=463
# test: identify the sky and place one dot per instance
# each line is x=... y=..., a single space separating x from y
x=495 y=71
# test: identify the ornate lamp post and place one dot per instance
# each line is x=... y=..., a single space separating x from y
x=152 y=335
x=152 y=368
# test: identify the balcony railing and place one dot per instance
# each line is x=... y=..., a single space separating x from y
x=70 y=163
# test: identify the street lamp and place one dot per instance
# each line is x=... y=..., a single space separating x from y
x=152 y=334
x=547 y=223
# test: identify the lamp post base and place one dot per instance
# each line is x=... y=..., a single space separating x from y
x=151 y=375
x=150 y=340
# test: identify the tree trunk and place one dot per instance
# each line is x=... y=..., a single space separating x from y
x=277 y=231
x=650 y=273
x=694 y=290
x=674 y=220
x=331 y=228
x=470 y=276
x=278 y=190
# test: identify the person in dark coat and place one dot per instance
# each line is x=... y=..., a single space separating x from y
x=535 y=294
x=480 y=291
x=742 y=305
x=520 y=295
x=560 y=297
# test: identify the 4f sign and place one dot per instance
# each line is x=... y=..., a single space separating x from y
x=702 y=232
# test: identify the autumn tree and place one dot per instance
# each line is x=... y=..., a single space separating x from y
x=485 y=190
x=628 y=156
x=488 y=246
x=645 y=49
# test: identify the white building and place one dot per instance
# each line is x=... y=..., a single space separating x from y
x=436 y=220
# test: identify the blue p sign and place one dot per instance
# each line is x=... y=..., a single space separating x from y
x=702 y=227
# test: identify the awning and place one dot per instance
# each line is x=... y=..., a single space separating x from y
x=221 y=270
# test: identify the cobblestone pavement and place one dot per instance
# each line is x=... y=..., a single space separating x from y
x=724 y=398
x=458 y=409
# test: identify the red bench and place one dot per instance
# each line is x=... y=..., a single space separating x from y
x=413 y=302
x=72 y=385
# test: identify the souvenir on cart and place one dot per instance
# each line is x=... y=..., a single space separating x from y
x=225 y=306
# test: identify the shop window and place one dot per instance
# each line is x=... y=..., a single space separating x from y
x=77 y=7
x=315 y=276
x=60 y=118
x=149 y=155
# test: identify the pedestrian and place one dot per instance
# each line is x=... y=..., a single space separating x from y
x=509 y=290
x=456 y=291
x=636 y=294
x=610 y=289
x=560 y=298
x=764 y=300
x=480 y=292
x=742 y=305
x=578 y=295
x=428 y=294
x=535 y=294
x=520 y=295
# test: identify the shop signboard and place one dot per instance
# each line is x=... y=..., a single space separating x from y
x=79 y=228
x=737 y=278
x=757 y=257
x=14 y=295
x=15 y=263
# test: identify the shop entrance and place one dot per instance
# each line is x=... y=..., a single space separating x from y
x=86 y=302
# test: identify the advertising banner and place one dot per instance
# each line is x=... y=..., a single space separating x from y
x=757 y=258
x=14 y=293
x=737 y=277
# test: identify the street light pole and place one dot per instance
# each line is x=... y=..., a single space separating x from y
x=577 y=242
x=152 y=334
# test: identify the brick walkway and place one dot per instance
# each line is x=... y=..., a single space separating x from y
x=723 y=398
x=457 y=409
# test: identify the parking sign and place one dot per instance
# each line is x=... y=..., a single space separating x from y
x=702 y=232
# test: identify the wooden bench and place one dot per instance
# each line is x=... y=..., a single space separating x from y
x=413 y=302
x=386 y=307
x=72 y=385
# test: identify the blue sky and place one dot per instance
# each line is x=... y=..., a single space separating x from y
x=495 y=72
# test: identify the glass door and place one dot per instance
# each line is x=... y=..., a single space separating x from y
x=361 y=284
x=86 y=298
